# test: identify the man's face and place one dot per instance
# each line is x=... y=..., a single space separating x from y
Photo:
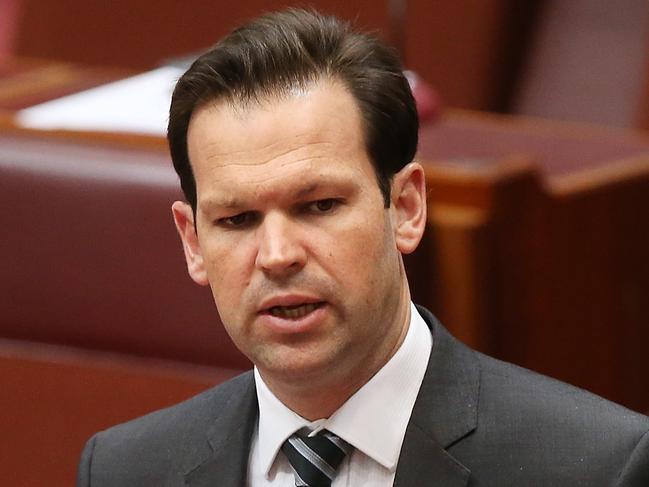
x=293 y=237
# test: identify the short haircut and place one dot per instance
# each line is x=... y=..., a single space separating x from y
x=277 y=52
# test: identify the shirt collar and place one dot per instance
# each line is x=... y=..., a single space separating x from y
x=373 y=420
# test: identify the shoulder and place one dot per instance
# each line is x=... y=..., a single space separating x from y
x=526 y=394
x=168 y=442
x=544 y=427
x=186 y=417
x=513 y=397
x=511 y=426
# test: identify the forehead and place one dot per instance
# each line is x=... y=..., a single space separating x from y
x=314 y=133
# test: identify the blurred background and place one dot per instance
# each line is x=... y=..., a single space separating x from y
x=533 y=137
x=582 y=60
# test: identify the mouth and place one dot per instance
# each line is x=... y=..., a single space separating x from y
x=294 y=312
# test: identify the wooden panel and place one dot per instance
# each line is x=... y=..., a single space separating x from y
x=598 y=282
x=550 y=273
x=8 y=16
x=478 y=140
x=144 y=33
x=54 y=398
x=469 y=50
x=27 y=81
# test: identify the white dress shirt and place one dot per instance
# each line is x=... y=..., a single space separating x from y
x=373 y=420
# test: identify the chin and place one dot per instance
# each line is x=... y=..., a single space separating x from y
x=289 y=367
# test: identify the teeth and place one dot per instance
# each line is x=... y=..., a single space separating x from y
x=293 y=312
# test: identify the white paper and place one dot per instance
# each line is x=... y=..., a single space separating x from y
x=139 y=104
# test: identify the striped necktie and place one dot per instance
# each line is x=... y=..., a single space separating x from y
x=315 y=460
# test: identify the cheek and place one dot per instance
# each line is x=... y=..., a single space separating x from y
x=360 y=253
x=228 y=271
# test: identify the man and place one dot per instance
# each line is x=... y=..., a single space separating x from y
x=294 y=139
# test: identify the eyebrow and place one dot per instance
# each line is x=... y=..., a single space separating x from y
x=233 y=203
x=307 y=190
x=224 y=203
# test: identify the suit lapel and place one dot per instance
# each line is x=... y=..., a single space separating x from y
x=229 y=439
x=445 y=412
x=424 y=463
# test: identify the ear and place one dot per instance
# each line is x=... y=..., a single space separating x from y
x=184 y=219
x=408 y=207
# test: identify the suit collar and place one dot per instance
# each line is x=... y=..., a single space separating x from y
x=229 y=439
x=445 y=413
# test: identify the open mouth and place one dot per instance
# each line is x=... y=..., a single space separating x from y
x=294 y=312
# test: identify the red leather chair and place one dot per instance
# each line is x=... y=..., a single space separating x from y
x=90 y=257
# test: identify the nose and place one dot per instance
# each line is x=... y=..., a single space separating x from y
x=280 y=252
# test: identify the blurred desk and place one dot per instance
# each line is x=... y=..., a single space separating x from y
x=27 y=81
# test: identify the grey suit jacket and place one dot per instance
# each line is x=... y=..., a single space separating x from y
x=476 y=422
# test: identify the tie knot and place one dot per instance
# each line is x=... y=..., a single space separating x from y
x=315 y=459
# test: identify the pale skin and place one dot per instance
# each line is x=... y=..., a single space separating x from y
x=290 y=219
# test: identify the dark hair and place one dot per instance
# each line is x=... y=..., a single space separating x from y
x=276 y=52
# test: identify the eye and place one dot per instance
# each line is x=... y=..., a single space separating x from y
x=324 y=206
x=237 y=221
